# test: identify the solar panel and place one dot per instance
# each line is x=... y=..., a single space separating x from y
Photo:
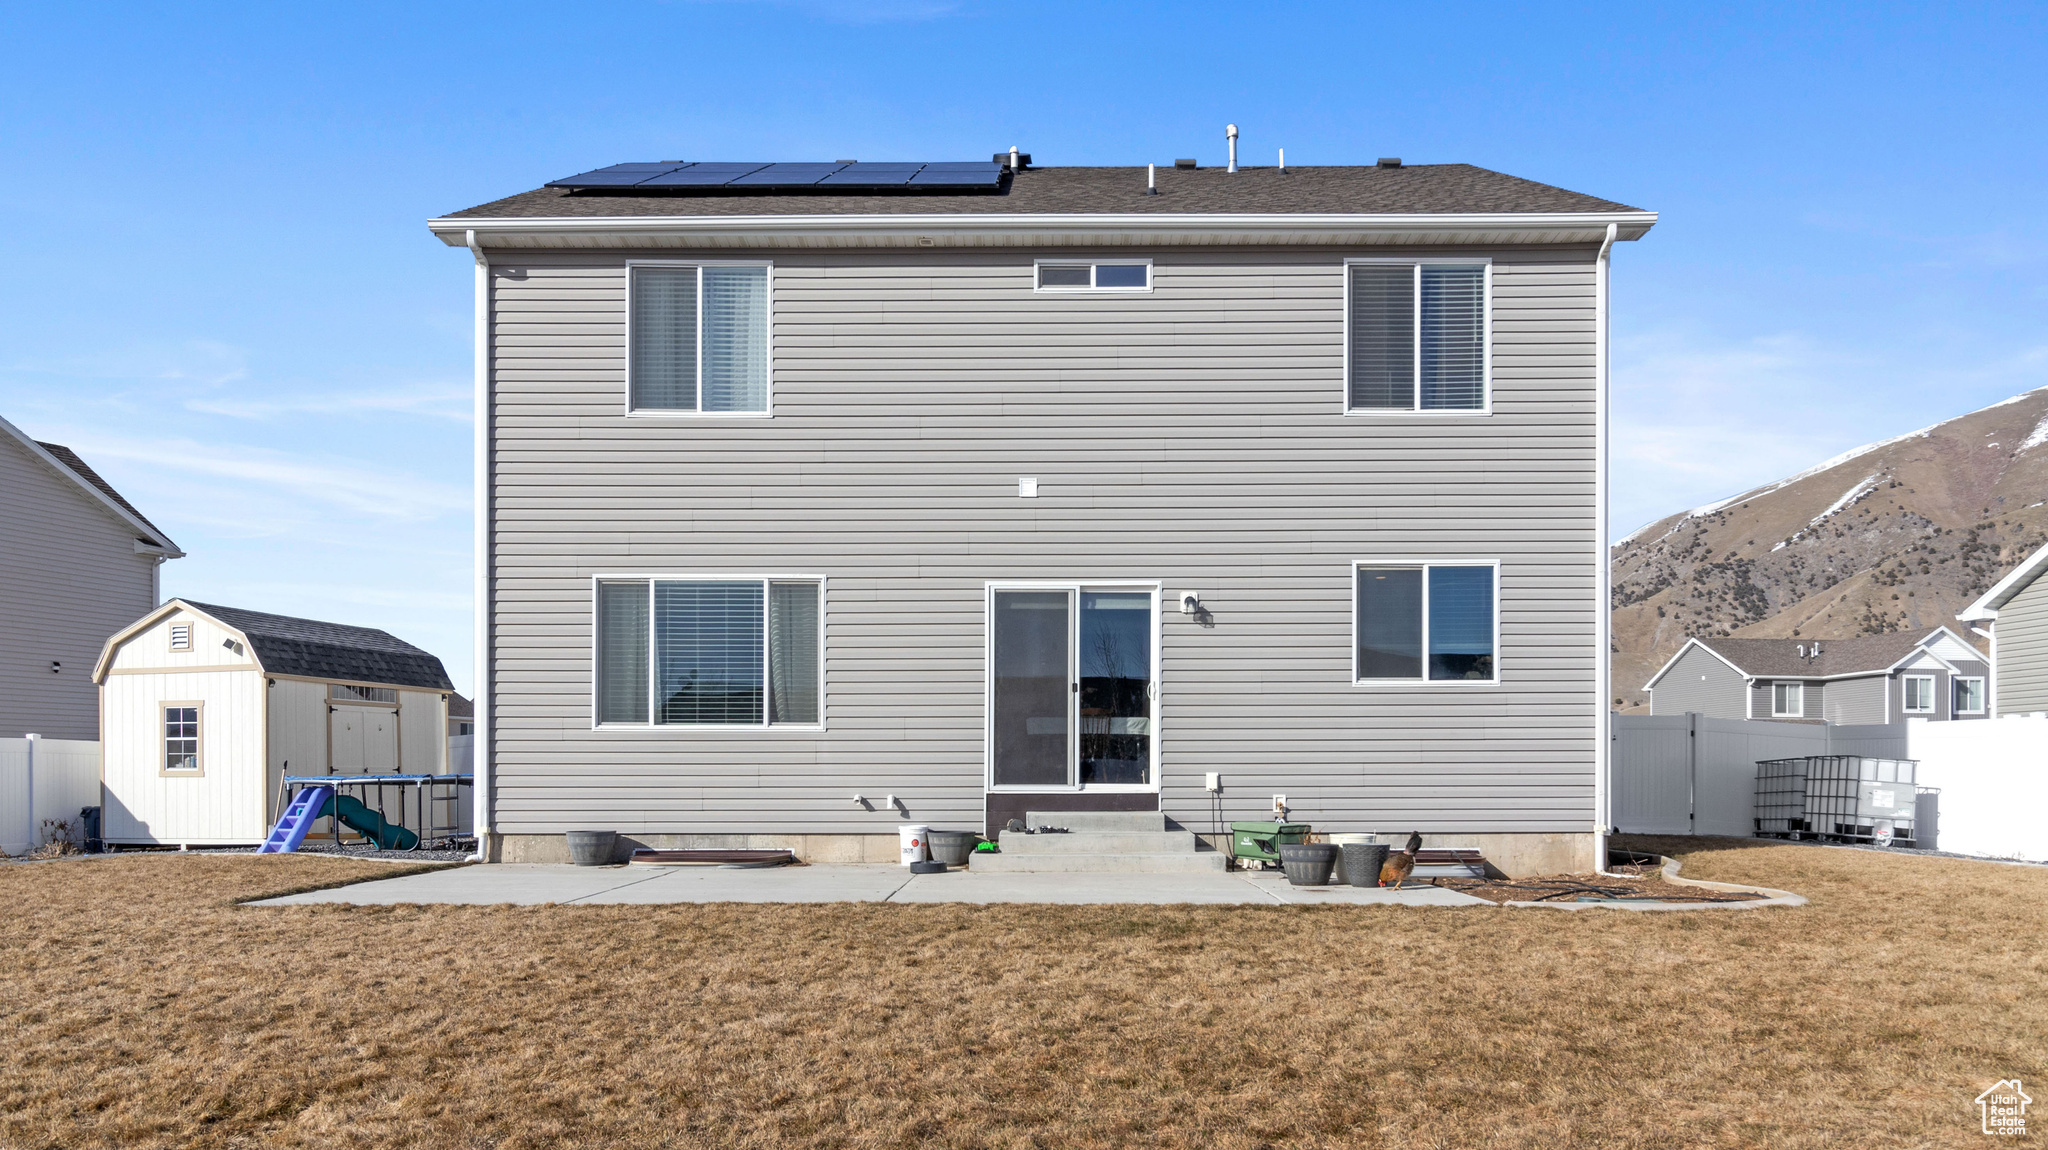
x=786 y=176
x=971 y=175
x=702 y=176
x=871 y=176
x=616 y=176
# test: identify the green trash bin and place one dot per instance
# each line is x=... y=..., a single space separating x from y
x=1261 y=841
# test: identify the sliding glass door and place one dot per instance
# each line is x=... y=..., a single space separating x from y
x=1072 y=692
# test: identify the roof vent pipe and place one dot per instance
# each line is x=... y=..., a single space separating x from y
x=1151 y=179
x=1230 y=133
x=1283 y=161
x=1013 y=157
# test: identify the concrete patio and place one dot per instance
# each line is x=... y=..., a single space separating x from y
x=533 y=885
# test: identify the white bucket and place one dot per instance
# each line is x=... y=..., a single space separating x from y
x=912 y=842
x=1338 y=876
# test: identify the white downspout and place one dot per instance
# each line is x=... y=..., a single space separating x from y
x=1603 y=744
x=480 y=746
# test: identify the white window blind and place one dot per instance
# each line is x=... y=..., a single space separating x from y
x=698 y=339
x=1417 y=337
x=622 y=652
x=793 y=653
x=699 y=652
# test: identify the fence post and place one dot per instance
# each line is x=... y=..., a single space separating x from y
x=31 y=837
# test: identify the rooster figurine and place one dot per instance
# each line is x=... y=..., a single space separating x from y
x=1401 y=863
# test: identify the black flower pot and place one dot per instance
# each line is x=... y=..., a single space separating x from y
x=1362 y=862
x=1308 y=864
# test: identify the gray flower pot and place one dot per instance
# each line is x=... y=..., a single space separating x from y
x=951 y=847
x=592 y=848
x=1308 y=864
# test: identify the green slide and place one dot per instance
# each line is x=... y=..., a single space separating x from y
x=390 y=836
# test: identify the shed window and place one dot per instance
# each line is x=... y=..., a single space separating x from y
x=181 y=737
x=181 y=636
x=697 y=339
x=1094 y=275
x=1417 y=336
x=708 y=652
x=1425 y=622
x=1919 y=694
x=1969 y=696
x=1788 y=700
x=344 y=693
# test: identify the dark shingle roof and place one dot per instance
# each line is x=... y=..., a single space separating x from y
x=1417 y=189
x=288 y=646
x=69 y=458
x=1780 y=658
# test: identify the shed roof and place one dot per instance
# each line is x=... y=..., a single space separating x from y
x=289 y=646
x=1414 y=189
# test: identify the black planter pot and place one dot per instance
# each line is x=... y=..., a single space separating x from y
x=1362 y=862
x=1308 y=864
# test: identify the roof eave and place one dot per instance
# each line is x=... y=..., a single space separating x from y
x=98 y=496
x=1986 y=607
x=950 y=229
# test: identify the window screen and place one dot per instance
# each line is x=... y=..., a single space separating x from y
x=1418 y=337
x=698 y=339
x=181 y=738
x=707 y=653
x=1434 y=622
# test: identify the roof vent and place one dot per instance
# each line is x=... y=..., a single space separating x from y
x=1187 y=165
x=1390 y=161
x=1023 y=159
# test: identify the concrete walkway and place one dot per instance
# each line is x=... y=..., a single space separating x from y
x=533 y=885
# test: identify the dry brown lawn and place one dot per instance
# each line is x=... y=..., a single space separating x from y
x=142 y=1008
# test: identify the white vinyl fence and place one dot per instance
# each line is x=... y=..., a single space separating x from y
x=62 y=774
x=1993 y=776
x=1691 y=774
x=461 y=754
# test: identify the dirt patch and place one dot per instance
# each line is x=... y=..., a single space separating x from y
x=144 y=1008
x=1585 y=887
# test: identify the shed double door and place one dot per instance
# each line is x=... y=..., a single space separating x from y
x=363 y=739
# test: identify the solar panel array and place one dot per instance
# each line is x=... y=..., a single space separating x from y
x=975 y=175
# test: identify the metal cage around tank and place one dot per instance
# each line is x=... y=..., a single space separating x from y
x=1839 y=798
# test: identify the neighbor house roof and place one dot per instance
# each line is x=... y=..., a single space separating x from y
x=66 y=463
x=1414 y=189
x=289 y=646
x=2001 y=592
x=1780 y=658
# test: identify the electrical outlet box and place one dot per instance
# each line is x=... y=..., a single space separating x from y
x=1280 y=802
x=1212 y=782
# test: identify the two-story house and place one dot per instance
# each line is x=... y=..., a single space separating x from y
x=814 y=498
x=1932 y=674
x=77 y=563
x=2013 y=615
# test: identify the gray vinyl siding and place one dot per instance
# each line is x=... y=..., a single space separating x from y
x=1193 y=435
x=2022 y=629
x=1702 y=683
x=1760 y=699
x=69 y=578
x=1855 y=701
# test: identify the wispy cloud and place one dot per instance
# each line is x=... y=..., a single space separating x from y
x=379 y=492
x=440 y=403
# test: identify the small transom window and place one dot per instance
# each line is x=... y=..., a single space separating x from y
x=1094 y=275
x=344 y=693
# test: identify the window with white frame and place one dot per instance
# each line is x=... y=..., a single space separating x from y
x=1094 y=275
x=1788 y=700
x=1969 y=696
x=1416 y=335
x=697 y=339
x=725 y=652
x=1919 y=694
x=181 y=737
x=1425 y=622
x=181 y=636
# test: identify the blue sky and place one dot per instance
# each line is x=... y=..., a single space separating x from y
x=219 y=287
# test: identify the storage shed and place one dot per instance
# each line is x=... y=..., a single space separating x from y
x=205 y=709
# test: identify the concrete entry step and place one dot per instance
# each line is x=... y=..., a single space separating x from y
x=1206 y=862
x=1101 y=822
x=1100 y=842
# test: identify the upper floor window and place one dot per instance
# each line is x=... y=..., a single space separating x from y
x=697 y=339
x=1788 y=700
x=1094 y=275
x=1969 y=696
x=1425 y=622
x=720 y=652
x=1416 y=335
x=1919 y=694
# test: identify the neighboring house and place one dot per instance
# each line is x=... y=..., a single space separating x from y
x=208 y=708
x=994 y=490
x=2014 y=616
x=1871 y=679
x=77 y=563
x=461 y=715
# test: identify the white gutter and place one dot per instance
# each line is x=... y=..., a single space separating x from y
x=480 y=747
x=909 y=228
x=1603 y=752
